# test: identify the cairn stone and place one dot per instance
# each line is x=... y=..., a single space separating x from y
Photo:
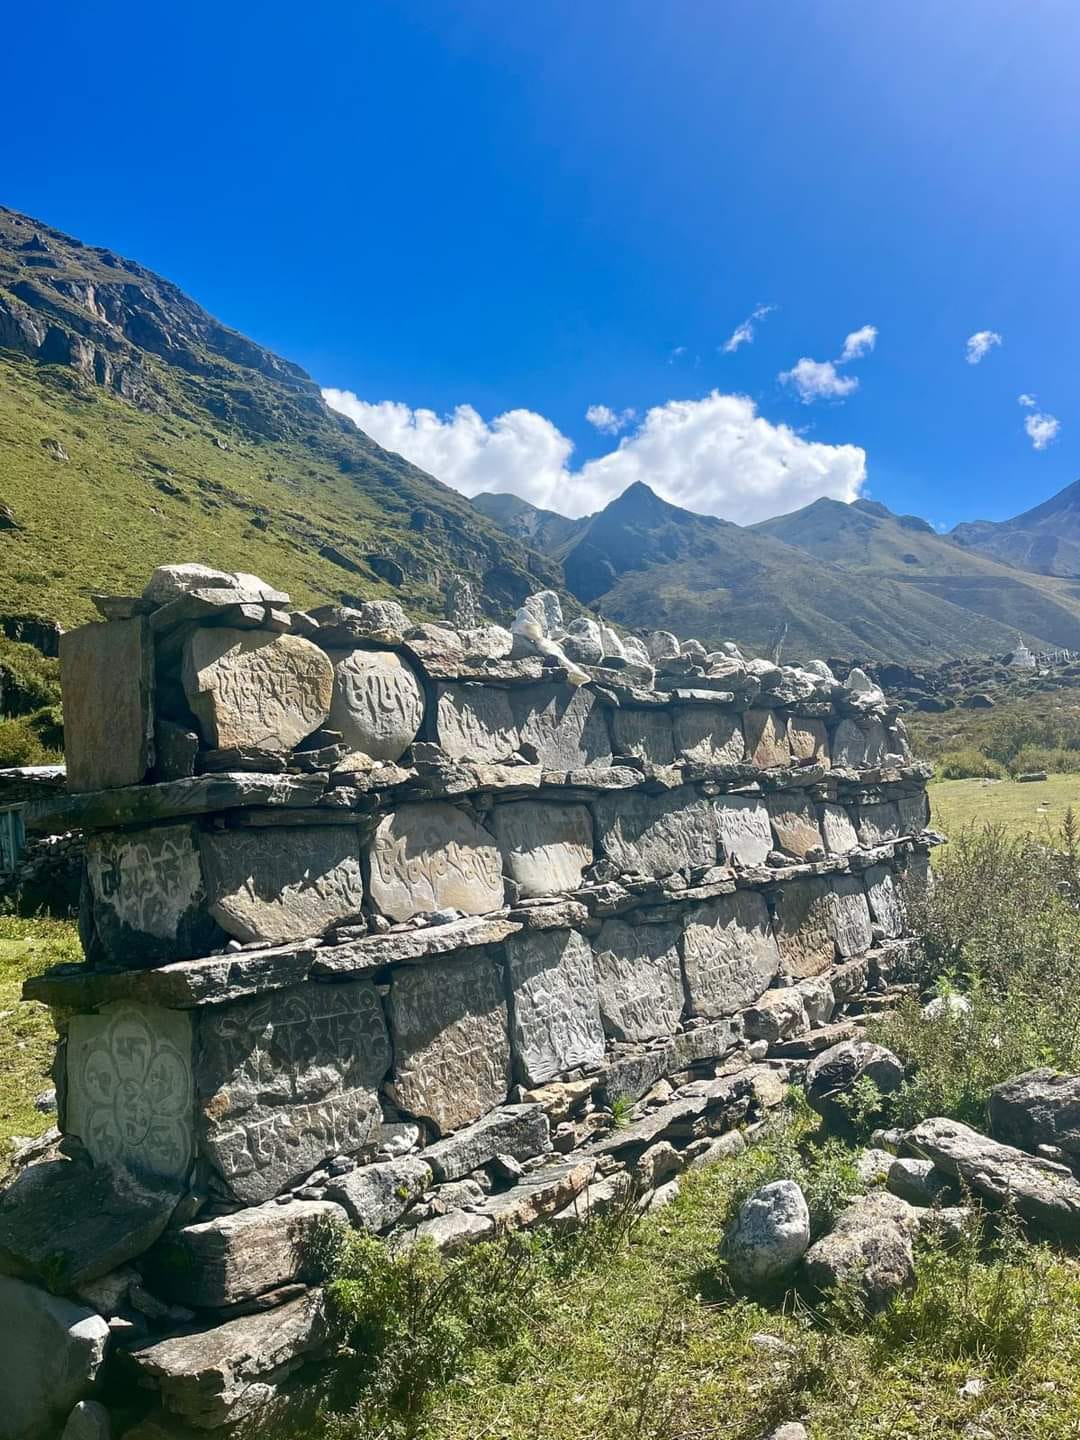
x=50 y=1354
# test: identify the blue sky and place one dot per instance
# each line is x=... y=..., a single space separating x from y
x=533 y=209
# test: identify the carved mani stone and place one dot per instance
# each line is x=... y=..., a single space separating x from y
x=255 y=688
x=545 y=847
x=879 y=823
x=106 y=673
x=128 y=1089
x=914 y=813
x=147 y=898
x=282 y=883
x=766 y=739
x=794 y=823
x=743 y=830
x=837 y=830
x=639 y=979
x=475 y=722
x=804 y=927
x=858 y=744
x=644 y=733
x=886 y=900
x=433 y=857
x=377 y=704
x=809 y=740
x=730 y=955
x=709 y=735
x=451 y=1040
x=568 y=727
x=850 y=916
x=285 y=1081
x=555 y=1011
x=656 y=834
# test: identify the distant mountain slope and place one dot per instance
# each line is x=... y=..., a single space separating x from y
x=1045 y=539
x=852 y=581
x=542 y=529
x=136 y=429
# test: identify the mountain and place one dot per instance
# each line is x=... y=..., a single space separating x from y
x=543 y=529
x=1045 y=539
x=136 y=429
x=831 y=579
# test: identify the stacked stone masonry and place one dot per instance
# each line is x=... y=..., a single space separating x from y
x=380 y=924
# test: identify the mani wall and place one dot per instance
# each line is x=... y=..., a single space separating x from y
x=382 y=924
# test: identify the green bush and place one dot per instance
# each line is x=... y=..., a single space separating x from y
x=21 y=741
x=1057 y=761
x=967 y=764
x=28 y=679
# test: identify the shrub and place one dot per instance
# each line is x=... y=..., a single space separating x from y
x=967 y=764
x=21 y=743
x=1057 y=761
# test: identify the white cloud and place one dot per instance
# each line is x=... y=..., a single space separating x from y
x=1041 y=429
x=860 y=342
x=818 y=380
x=676 y=354
x=715 y=455
x=608 y=421
x=980 y=344
x=1028 y=401
x=744 y=334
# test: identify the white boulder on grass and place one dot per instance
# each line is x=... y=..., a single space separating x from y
x=769 y=1236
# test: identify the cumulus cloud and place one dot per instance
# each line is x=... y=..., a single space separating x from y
x=715 y=455
x=1041 y=429
x=980 y=344
x=608 y=421
x=744 y=334
x=818 y=380
x=860 y=342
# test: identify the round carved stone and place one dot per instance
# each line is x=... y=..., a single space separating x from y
x=378 y=703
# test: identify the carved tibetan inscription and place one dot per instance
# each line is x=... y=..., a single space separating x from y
x=129 y=1089
x=256 y=689
x=286 y=1081
x=729 y=954
x=545 y=847
x=378 y=704
x=434 y=857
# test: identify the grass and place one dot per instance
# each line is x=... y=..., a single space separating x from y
x=1034 y=808
x=27 y=1037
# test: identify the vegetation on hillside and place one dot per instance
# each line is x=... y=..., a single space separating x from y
x=27 y=1037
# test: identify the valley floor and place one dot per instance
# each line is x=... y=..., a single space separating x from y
x=1036 y=808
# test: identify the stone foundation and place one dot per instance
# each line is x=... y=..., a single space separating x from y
x=386 y=923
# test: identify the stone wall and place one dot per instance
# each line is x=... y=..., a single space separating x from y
x=382 y=922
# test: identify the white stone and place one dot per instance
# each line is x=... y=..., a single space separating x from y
x=432 y=857
x=50 y=1355
x=770 y=1235
x=377 y=704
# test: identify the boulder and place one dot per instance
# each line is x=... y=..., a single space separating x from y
x=255 y=688
x=769 y=1236
x=377 y=1195
x=868 y=1251
x=583 y=641
x=89 y=1420
x=377 y=702
x=832 y=1076
x=919 y=1182
x=50 y=1355
x=662 y=645
x=1040 y=1191
x=1041 y=1107
x=951 y=1007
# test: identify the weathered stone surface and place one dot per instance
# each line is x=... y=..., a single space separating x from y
x=869 y=1248
x=256 y=688
x=147 y=894
x=64 y=1223
x=769 y=1236
x=222 y=1374
x=129 y=1092
x=644 y=733
x=377 y=1195
x=804 y=926
x=766 y=739
x=639 y=979
x=837 y=830
x=818 y=999
x=448 y=1233
x=280 y=884
x=1041 y=1107
x=50 y=1355
x=850 y=916
x=287 y=1080
x=778 y=1015
x=920 y=1182
x=555 y=1010
x=377 y=702
x=879 y=823
x=833 y=1075
x=1039 y=1190
x=743 y=829
x=708 y=735
x=434 y=857
x=541 y=1193
x=89 y=1420
x=794 y=823
x=568 y=727
x=914 y=813
x=168 y=582
x=520 y=1131
x=451 y=1040
x=857 y=744
x=886 y=901
x=656 y=834
x=809 y=740
x=234 y=1257
x=730 y=955
x=475 y=722
x=106 y=672
x=545 y=847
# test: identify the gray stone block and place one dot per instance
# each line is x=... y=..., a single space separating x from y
x=809 y=740
x=708 y=735
x=106 y=673
x=837 y=830
x=434 y=857
x=766 y=739
x=50 y=1355
x=520 y=1131
x=730 y=955
x=256 y=688
x=282 y=883
x=644 y=733
x=545 y=847
x=568 y=726
x=451 y=1040
x=474 y=722
x=794 y=823
x=639 y=979
x=375 y=1196
x=886 y=901
x=555 y=1011
x=879 y=823
x=743 y=829
x=657 y=834
x=804 y=927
